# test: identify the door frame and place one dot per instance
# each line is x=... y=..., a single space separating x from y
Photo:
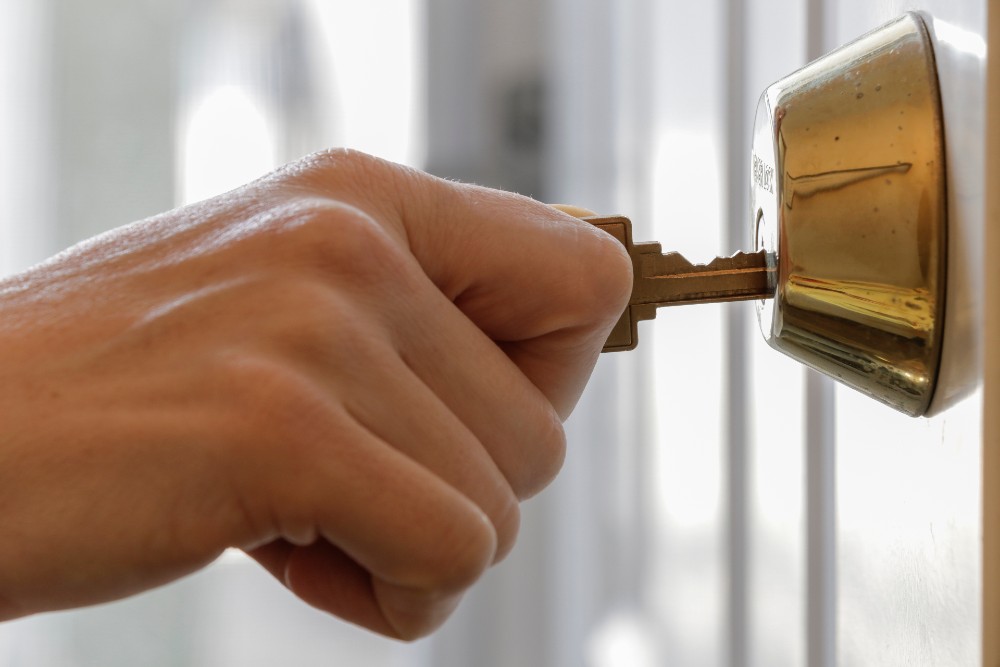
x=991 y=399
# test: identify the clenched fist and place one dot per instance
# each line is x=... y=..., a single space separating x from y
x=349 y=369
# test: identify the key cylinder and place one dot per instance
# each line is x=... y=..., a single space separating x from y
x=847 y=191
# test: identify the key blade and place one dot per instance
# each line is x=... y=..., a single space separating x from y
x=671 y=279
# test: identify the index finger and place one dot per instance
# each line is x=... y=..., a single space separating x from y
x=545 y=286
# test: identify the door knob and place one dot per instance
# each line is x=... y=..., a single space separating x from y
x=848 y=195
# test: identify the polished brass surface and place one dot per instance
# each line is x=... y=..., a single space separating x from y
x=848 y=193
x=669 y=279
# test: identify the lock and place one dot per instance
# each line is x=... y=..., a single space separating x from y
x=848 y=197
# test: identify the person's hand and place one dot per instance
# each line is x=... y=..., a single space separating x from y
x=349 y=369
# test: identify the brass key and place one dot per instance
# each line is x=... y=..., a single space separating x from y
x=669 y=280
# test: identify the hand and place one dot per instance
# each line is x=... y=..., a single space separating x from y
x=349 y=369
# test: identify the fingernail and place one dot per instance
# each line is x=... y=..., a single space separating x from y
x=575 y=211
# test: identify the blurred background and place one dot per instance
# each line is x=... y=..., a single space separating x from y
x=686 y=528
x=640 y=553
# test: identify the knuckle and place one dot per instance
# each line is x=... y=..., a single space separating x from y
x=425 y=592
x=323 y=334
x=340 y=160
x=329 y=230
x=347 y=170
x=305 y=314
x=270 y=399
x=298 y=328
x=457 y=560
x=507 y=522
x=279 y=421
x=323 y=166
x=351 y=169
x=344 y=242
x=413 y=614
x=547 y=456
x=463 y=560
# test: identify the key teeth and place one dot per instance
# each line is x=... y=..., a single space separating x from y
x=648 y=248
x=666 y=264
x=741 y=258
x=675 y=263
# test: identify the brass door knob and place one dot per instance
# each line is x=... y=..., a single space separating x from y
x=848 y=195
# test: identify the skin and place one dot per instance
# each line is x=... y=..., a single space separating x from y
x=349 y=369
